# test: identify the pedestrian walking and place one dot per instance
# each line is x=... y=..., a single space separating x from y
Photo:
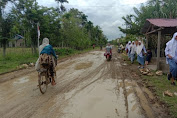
x=171 y=56
x=141 y=51
x=132 y=51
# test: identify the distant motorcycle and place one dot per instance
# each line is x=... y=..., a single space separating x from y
x=119 y=50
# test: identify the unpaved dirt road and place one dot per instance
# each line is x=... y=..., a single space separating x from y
x=87 y=87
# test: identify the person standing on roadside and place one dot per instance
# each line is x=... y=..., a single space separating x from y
x=93 y=46
x=132 y=51
x=128 y=49
x=140 y=50
x=171 y=56
x=101 y=46
x=148 y=56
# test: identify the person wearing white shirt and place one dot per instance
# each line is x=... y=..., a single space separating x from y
x=171 y=56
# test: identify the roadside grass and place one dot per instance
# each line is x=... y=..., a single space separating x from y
x=65 y=52
x=160 y=84
x=15 y=57
x=18 y=56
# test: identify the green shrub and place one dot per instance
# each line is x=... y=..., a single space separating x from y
x=64 y=51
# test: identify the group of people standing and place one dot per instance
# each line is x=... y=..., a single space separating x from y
x=133 y=48
x=137 y=48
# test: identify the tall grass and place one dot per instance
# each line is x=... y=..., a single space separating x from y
x=15 y=57
x=18 y=56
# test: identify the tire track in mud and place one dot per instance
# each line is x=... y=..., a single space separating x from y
x=85 y=81
x=108 y=72
x=115 y=76
x=36 y=105
x=145 y=108
x=31 y=103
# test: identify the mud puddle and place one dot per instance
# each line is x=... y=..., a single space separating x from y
x=22 y=80
x=83 y=65
x=63 y=66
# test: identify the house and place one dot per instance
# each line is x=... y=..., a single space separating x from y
x=159 y=27
x=18 y=41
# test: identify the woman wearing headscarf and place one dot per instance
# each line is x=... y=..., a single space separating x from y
x=47 y=49
x=171 y=56
x=140 y=50
x=127 y=48
x=132 y=51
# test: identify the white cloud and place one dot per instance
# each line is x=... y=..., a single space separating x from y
x=105 y=13
x=133 y=2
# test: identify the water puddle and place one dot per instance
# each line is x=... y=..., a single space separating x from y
x=63 y=66
x=124 y=64
x=99 y=100
x=83 y=65
x=21 y=80
x=95 y=53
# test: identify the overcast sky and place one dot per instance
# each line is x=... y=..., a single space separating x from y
x=105 y=13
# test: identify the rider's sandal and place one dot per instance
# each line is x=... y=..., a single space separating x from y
x=53 y=83
x=169 y=76
x=173 y=84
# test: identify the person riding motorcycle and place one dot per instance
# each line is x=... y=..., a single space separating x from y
x=109 y=49
x=47 y=57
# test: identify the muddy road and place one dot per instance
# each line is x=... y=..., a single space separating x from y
x=87 y=87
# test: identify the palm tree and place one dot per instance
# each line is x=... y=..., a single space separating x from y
x=170 y=8
x=61 y=8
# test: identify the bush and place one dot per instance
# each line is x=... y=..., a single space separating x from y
x=64 y=51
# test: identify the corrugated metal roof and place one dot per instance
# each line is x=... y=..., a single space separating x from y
x=163 y=22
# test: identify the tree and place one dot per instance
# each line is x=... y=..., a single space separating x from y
x=3 y=36
x=69 y=27
x=154 y=9
x=27 y=14
x=61 y=8
x=77 y=32
x=6 y=26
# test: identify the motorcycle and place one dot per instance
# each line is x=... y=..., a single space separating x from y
x=108 y=56
x=119 y=50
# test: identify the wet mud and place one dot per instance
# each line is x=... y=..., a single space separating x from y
x=88 y=86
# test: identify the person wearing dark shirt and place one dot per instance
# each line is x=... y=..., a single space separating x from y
x=148 y=57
